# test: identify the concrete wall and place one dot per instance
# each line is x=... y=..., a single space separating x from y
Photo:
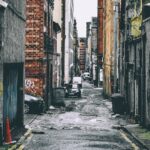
x=147 y=73
x=14 y=32
x=12 y=46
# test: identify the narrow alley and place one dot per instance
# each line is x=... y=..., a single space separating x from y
x=75 y=74
x=86 y=123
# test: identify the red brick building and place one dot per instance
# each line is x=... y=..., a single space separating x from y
x=82 y=54
x=39 y=49
x=100 y=31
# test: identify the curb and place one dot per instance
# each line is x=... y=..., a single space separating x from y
x=134 y=137
x=21 y=140
x=24 y=137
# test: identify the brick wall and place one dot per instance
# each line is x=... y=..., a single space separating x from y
x=100 y=27
x=35 y=68
x=82 y=48
x=34 y=29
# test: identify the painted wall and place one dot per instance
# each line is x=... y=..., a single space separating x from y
x=108 y=46
x=12 y=46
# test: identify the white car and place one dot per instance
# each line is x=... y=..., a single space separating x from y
x=86 y=76
x=77 y=80
x=74 y=90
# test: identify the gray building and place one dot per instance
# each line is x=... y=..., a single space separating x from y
x=68 y=53
x=12 y=34
x=94 y=48
x=134 y=59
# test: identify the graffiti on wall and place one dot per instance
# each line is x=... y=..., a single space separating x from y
x=34 y=86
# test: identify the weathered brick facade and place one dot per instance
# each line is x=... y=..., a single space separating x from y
x=34 y=47
x=100 y=31
x=37 y=40
x=82 y=48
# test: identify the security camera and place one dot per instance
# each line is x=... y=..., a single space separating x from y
x=3 y=4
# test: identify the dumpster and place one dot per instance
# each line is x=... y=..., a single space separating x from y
x=58 y=96
x=118 y=103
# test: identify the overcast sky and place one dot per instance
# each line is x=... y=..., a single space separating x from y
x=83 y=11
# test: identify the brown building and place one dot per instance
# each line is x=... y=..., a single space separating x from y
x=100 y=32
x=82 y=53
x=108 y=36
x=39 y=48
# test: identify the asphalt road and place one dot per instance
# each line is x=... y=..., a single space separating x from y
x=87 y=123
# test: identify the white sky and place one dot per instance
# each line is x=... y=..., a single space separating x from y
x=84 y=10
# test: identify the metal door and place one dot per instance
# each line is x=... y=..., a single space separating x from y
x=10 y=94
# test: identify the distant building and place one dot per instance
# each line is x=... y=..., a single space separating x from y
x=57 y=18
x=75 y=49
x=88 y=47
x=68 y=49
x=100 y=32
x=100 y=40
x=94 y=48
x=82 y=53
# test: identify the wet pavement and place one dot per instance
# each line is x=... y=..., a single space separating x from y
x=86 y=123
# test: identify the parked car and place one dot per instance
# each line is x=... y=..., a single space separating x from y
x=73 y=90
x=77 y=80
x=33 y=104
x=86 y=76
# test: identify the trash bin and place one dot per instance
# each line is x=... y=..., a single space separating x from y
x=58 y=96
x=118 y=103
